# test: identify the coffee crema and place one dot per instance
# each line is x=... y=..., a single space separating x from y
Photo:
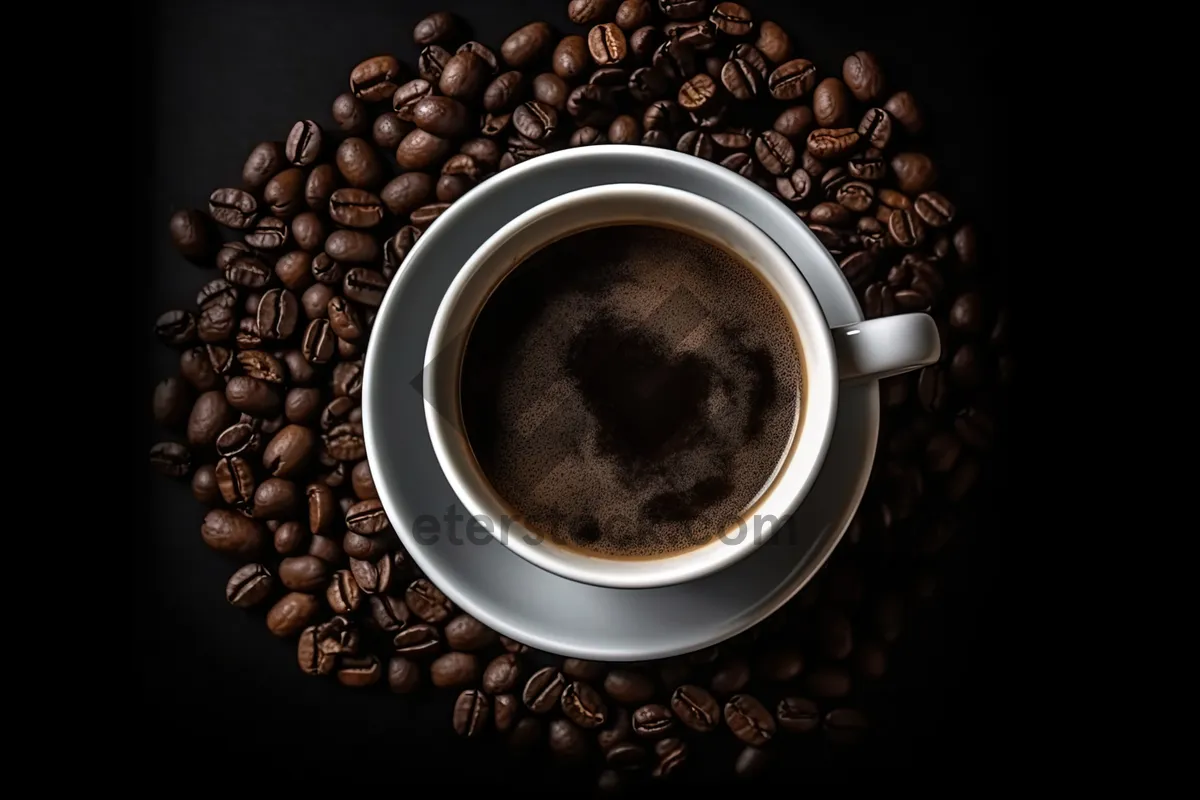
x=630 y=391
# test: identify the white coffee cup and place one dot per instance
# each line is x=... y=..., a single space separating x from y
x=863 y=351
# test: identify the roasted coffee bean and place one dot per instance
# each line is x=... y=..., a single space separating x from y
x=585 y=136
x=197 y=368
x=567 y=741
x=797 y=715
x=773 y=42
x=349 y=113
x=552 y=90
x=351 y=246
x=345 y=442
x=617 y=731
x=249 y=586
x=647 y=84
x=176 y=328
x=235 y=480
x=736 y=140
x=417 y=641
x=831 y=104
x=628 y=687
x=294 y=269
x=775 y=153
x=427 y=601
x=320 y=646
x=862 y=74
x=503 y=93
x=698 y=93
x=343 y=594
x=171 y=398
x=543 y=690
x=672 y=754
x=494 y=125
x=827 y=143
x=867 y=167
x=359 y=672
x=375 y=79
x=748 y=720
x=856 y=196
x=832 y=214
x=389 y=130
x=278 y=316
x=675 y=59
x=794 y=188
x=740 y=79
x=631 y=15
x=308 y=232
x=535 y=121
x=732 y=19
x=626 y=756
x=290 y=451
x=405 y=193
x=252 y=396
x=327 y=271
x=345 y=321
x=404 y=101
x=483 y=52
x=742 y=164
x=526 y=44
x=284 y=193
x=233 y=208
x=264 y=161
x=327 y=549
x=525 y=736
x=304 y=143
x=367 y=518
x=471 y=713
x=465 y=633
x=431 y=61
x=570 y=58
x=355 y=208
x=219 y=291
x=359 y=164
x=731 y=676
x=454 y=669
x=192 y=234
x=934 y=209
x=779 y=664
x=591 y=105
x=464 y=77
x=583 y=705
x=171 y=459
x=875 y=127
x=319 y=187
x=792 y=79
x=828 y=682
x=903 y=108
x=652 y=721
x=915 y=172
x=210 y=415
x=364 y=286
x=245 y=271
x=906 y=228
x=404 y=675
x=696 y=708
x=420 y=150
x=661 y=115
x=440 y=27
x=316 y=305
x=697 y=143
x=844 y=726
x=372 y=576
x=607 y=45
x=644 y=42
x=586 y=12
x=232 y=533
x=303 y=573
x=794 y=122
x=583 y=670
x=501 y=674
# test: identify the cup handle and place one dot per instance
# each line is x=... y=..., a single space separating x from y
x=879 y=348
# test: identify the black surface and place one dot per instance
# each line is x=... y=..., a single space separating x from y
x=225 y=75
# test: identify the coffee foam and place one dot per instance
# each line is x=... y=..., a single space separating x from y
x=630 y=391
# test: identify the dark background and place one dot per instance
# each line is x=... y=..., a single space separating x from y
x=220 y=694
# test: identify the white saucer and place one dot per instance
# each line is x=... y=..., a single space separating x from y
x=503 y=590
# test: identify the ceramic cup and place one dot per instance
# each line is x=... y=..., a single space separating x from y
x=867 y=350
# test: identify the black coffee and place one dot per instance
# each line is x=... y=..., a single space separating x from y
x=631 y=391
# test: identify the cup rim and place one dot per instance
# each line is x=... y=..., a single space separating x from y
x=806 y=449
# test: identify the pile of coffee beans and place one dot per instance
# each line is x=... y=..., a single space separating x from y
x=266 y=399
